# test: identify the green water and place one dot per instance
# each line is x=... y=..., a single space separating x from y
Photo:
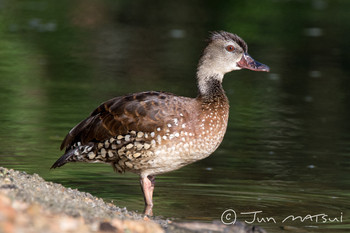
x=287 y=146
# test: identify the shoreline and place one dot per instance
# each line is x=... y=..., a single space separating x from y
x=28 y=203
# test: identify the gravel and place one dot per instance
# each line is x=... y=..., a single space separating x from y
x=61 y=209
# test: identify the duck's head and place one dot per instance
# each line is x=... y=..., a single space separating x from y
x=226 y=52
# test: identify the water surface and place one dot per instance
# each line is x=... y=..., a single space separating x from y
x=287 y=146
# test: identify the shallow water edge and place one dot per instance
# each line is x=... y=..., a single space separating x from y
x=30 y=204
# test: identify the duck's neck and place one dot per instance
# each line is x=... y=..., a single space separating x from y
x=210 y=86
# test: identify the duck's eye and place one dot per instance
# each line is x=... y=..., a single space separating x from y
x=230 y=48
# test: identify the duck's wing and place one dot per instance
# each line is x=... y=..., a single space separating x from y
x=140 y=112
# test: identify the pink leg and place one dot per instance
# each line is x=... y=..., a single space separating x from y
x=147 y=186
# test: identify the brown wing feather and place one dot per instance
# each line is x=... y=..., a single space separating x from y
x=139 y=112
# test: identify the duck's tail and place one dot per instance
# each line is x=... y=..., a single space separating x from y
x=63 y=159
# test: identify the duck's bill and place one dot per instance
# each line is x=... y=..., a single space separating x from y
x=247 y=62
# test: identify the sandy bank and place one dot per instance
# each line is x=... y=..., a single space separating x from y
x=30 y=204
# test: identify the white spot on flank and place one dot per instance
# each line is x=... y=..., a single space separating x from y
x=181 y=114
x=176 y=121
x=169 y=125
x=152 y=134
x=183 y=125
x=177 y=134
x=127 y=138
x=158 y=129
x=91 y=155
x=164 y=137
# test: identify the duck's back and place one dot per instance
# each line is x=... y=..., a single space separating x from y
x=128 y=131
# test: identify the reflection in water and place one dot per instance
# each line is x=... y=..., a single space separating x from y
x=286 y=150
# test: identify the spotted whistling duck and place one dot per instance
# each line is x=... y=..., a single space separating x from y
x=151 y=133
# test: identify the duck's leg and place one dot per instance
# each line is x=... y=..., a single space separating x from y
x=147 y=186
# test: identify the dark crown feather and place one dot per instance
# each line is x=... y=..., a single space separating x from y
x=222 y=35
